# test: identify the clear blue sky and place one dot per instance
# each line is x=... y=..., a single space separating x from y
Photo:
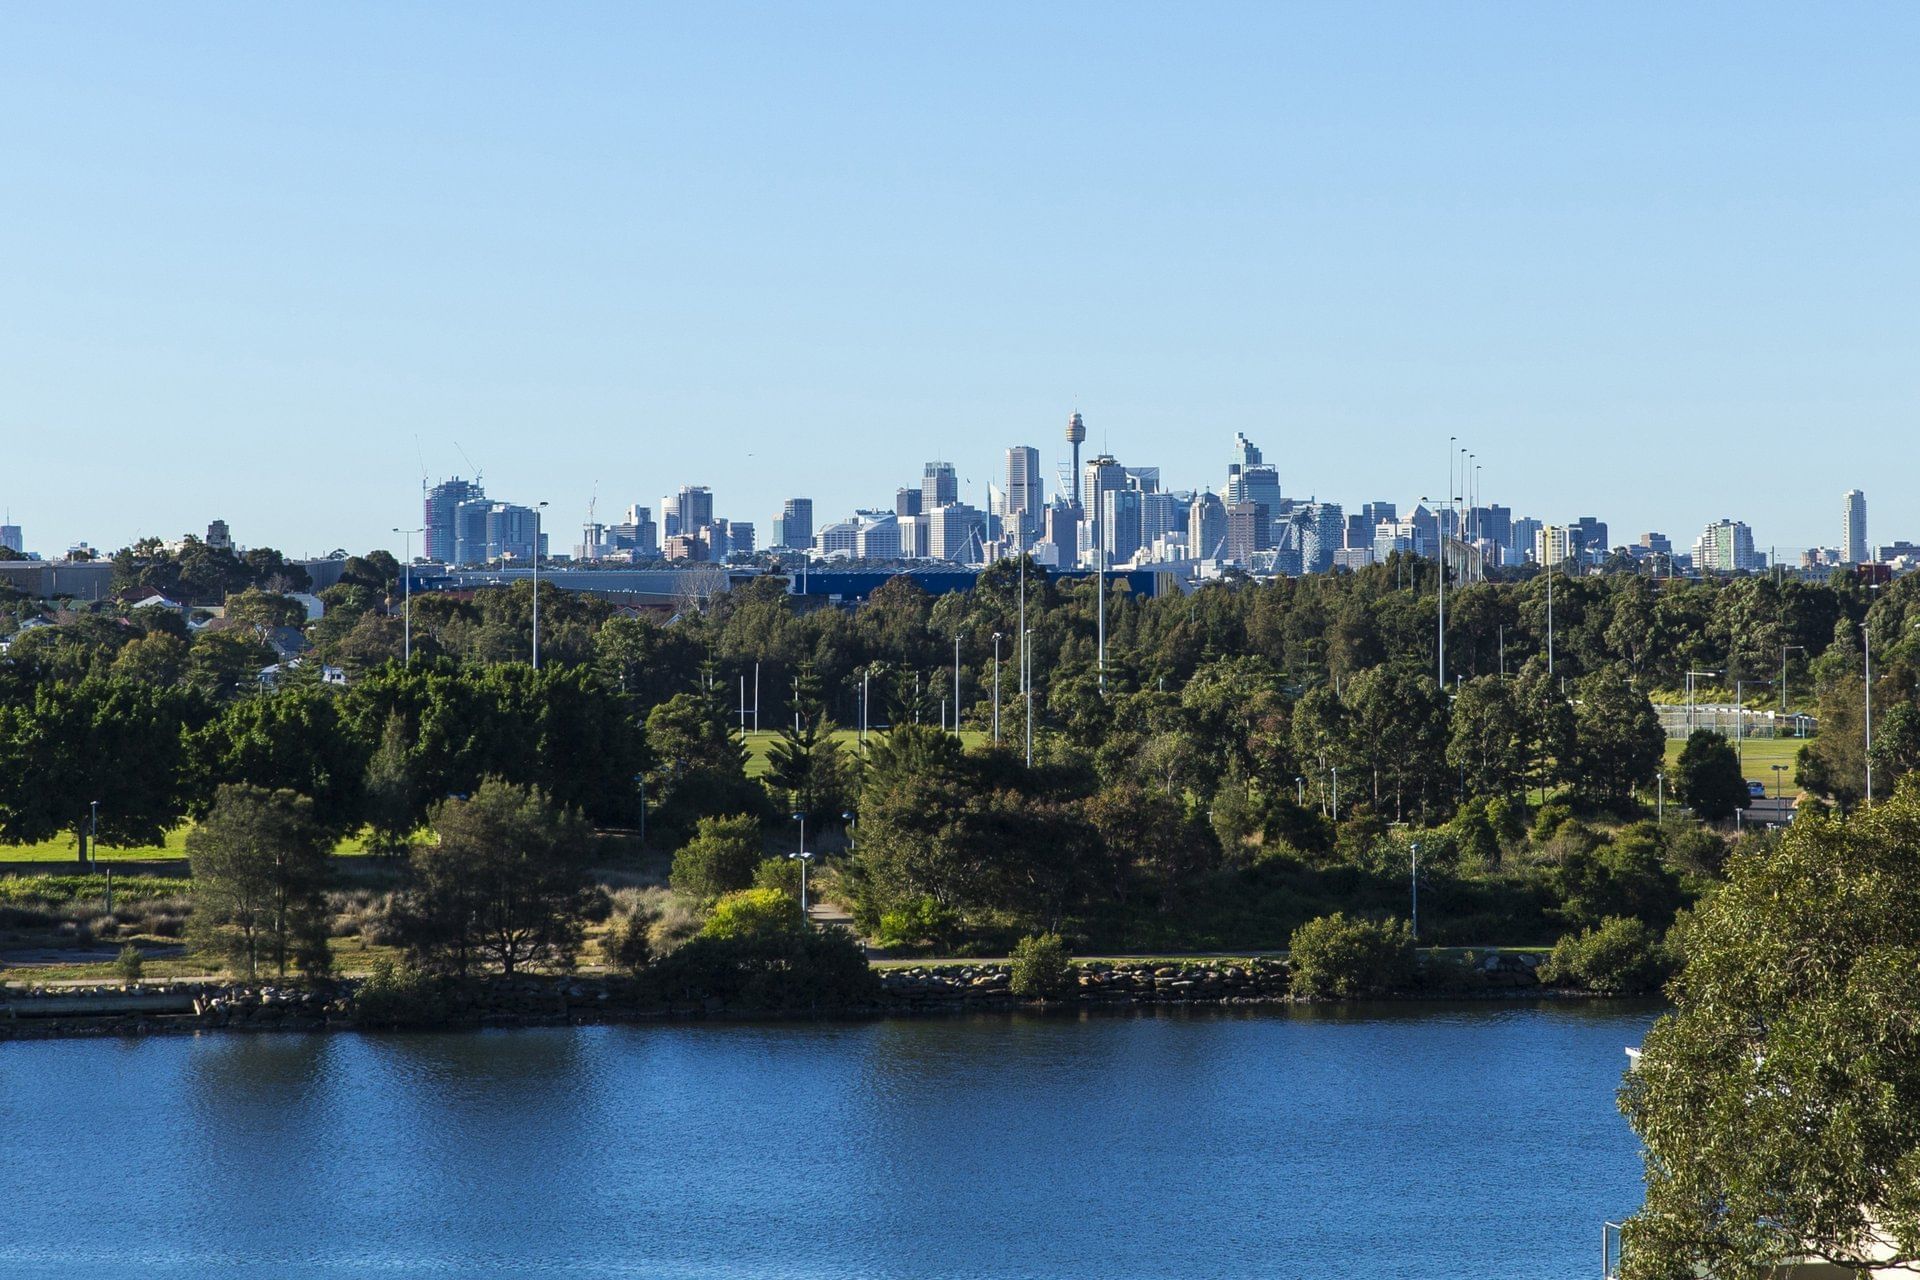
x=1656 y=263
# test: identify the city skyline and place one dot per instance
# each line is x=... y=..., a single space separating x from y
x=279 y=271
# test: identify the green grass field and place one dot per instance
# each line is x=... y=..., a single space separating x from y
x=849 y=739
x=1757 y=758
x=60 y=849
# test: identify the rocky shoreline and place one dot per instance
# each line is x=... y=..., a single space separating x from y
x=905 y=991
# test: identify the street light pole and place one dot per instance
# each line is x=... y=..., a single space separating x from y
x=93 y=832
x=1866 y=641
x=1416 y=891
x=537 y=508
x=406 y=599
x=1029 y=700
x=804 y=858
x=956 y=685
x=996 y=688
x=1660 y=802
x=1783 y=673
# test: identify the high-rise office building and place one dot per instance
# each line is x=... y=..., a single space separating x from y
x=907 y=502
x=1249 y=529
x=1020 y=502
x=1853 y=528
x=510 y=532
x=437 y=513
x=469 y=533
x=1207 y=527
x=793 y=527
x=956 y=532
x=218 y=536
x=686 y=512
x=1101 y=476
x=939 y=485
x=11 y=539
x=1119 y=525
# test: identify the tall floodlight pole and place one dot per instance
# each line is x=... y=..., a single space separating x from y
x=956 y=684
x=1026 y=694
x=1440 y=526
x=1416 y=890
x=804 y=858
x=1549 y=614
x=1866 y=640
x=1100 y=605
x=406 y=598
x=756 y=697
x=1029 y=701
x=996 y=688
x=538 y=507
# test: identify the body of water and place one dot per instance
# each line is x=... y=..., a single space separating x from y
x=1404 y=1141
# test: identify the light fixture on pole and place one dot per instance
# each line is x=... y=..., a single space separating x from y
x=1416 y=890
x=538 y=507
x=852 y=820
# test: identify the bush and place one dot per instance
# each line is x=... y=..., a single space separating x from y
x=1339 y=958
x=1622 y=956
x=754 y=914
x=806 y=970
x=1041 y=970
x=922 y=922
x=1549 y=819
x=721 y=858
x=778 y=872
x=129 y=963
x=626 y=944
x=397 y=997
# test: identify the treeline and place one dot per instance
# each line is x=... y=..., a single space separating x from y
x=1250 y=756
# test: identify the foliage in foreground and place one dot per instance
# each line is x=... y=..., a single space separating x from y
x=1340 y=958
x=1041 y=970
x=1621 y=956
x=1780 y=1101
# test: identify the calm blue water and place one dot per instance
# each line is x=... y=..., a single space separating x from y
x=1402 y=1141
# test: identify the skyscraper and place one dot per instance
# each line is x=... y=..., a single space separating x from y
x=1119 y=525
x=1102 y=475
x=1020 y=506
x=939 y=486
x=1853 y=528
x=1206 y=527
x=437 y=516
x=1249 y=529
x=793 y=527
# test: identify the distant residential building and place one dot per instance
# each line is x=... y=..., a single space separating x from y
x=1353 y=558
x=437 y=516
x=1658 y=544
x=1896 y=553
x=1314 y=531
x=1726 y=546
x=793 y=527
x=1590 y=538
x=1555 y=544
x=1853 y=527
x=511 y=532
x=217 y=536
x=687 y=547
x=469 y=534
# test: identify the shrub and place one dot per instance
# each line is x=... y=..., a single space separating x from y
x=1622 y=956
x=626 y=944
x=754 y=914
x=129 y=963
x=778 y=872
x=921 y=922
x=805 y=970
x=1338 y=957
x=1549 y=819
x=1041 y=970
x=721 y=858
x=395 y=997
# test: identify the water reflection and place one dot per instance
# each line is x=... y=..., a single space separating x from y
x=1435 y=1141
